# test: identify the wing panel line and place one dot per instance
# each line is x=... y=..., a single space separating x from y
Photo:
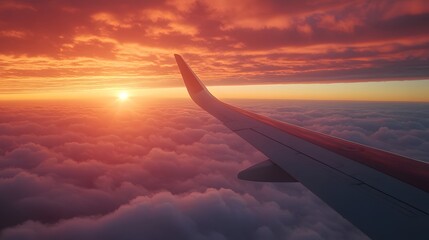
x=413 y=172
x=422 y=212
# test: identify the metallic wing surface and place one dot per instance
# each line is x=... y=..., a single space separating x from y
x=383 y=194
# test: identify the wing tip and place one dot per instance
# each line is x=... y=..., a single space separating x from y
x=191 y=80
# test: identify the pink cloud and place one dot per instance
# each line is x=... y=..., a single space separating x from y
x=232 y=216
x=159 y=169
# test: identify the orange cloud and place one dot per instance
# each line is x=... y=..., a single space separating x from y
x=347 y=24
x=10 y=4
x=106 y=18
x=13 y=34
x=228 y=43
x=401 y=8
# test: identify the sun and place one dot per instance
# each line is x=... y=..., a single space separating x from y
x=123 y=96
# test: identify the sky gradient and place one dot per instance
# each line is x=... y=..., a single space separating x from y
x=59 y=48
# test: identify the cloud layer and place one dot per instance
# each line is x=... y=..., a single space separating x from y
x=401 y=128
x=164 y=169
x=80 y=44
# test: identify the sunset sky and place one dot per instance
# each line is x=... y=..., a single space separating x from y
x=58 y=49
x=100 y=140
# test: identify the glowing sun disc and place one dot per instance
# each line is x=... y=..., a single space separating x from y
x=123 y=96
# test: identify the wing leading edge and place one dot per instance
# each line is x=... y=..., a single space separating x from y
x=383 y=194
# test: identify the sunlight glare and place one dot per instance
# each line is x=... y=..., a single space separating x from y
x=123 y=96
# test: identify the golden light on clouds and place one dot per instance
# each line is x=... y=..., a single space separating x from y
x=94 y=47
x=406 y=91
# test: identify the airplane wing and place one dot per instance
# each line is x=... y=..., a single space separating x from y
x=383 y=194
